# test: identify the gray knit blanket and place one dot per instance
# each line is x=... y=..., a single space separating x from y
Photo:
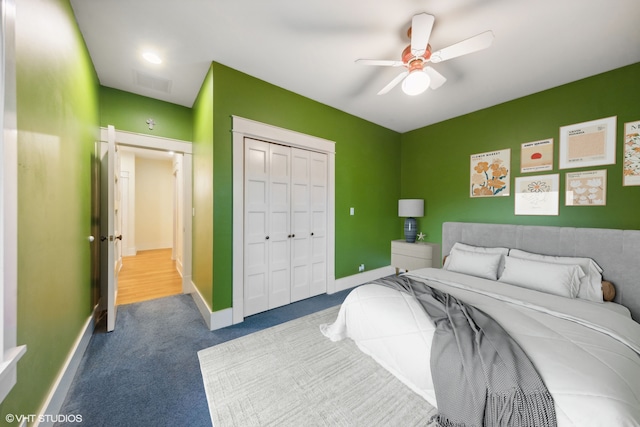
x=481 y=376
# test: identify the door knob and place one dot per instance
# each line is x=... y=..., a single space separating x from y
x=267 y=238
x=312 y=233
x=103 y=238
x=91 y=238
x=119 y=237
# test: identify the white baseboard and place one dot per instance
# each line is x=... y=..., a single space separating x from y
x=213 y=319
x=362 y=278
x=223 y=318
x=60 y=387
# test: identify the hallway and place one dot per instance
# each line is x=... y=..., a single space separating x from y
x=148 y=275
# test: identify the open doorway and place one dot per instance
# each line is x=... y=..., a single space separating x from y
x=111 y=234
x=150 y=183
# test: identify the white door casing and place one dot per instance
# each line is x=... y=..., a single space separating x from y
x=325 y=241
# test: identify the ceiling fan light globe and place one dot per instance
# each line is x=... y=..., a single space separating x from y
x=416 y=82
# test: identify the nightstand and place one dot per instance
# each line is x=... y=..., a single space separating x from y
x=411 y=256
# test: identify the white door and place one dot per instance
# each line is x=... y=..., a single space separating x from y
x=109 y=237
x=318 y=177
x=279 y=225
x=285 y=225
x=300 y=225
x=256 y=197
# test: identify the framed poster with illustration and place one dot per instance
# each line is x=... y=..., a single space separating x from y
x=490 y=173
x=587 y=188
x=537 y=195
x=536 y=156
x=588 y=144
x=631 y=163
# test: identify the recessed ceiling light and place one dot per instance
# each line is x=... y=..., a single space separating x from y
x=152 y=57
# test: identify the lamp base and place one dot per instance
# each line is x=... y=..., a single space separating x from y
x=410 y=230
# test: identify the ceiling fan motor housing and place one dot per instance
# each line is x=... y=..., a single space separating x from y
x=415 y=62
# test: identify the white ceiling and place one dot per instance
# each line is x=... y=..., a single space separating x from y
x=309 y=47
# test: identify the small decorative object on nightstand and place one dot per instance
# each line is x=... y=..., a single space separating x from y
x=411 y=256
x=410 y=208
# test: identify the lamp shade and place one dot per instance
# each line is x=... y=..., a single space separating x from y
x=411 y=208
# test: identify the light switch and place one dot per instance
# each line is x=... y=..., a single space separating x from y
x=352 y=211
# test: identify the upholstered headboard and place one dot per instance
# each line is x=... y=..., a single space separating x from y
x=616 y=251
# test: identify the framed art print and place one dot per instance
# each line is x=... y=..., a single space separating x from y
x=587 y=188
x=588 y=144
x=536 y=156
x=490 y=173
x=631 y=162
x=537 y=195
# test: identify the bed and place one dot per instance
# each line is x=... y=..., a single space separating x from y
x=586 y=351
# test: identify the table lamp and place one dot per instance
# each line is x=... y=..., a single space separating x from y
x=410 y=208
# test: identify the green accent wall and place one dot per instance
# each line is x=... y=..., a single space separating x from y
x=57 y=117
x=436 y=158
x=202 y=243
x=128 y=111
x=367 y=164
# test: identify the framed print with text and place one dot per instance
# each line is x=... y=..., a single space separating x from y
x=537 y=195
x=588 y=144
x=588 y=188
x=490 y=173
x=631 y=163
x=536 y=156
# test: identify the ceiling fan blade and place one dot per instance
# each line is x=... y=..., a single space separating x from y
x=437 y=79
x=470 y=45
x=380 y=62
x=393 y=83
x=421 y=26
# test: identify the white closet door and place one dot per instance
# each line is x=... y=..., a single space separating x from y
x=285 y=225
x=279 y=225
x=300 y=225
x=319 y=201
x=256 y=202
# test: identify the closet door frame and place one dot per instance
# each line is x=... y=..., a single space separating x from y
x=245 y=128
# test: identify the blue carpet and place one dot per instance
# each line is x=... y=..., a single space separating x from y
x=146 y=372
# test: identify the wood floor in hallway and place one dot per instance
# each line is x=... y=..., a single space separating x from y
x=148 y=275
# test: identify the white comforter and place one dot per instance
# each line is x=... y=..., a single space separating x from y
x=587 y=354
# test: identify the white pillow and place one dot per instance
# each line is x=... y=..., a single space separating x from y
x=477 y=264
x=590 y=285
x=556 y=279
x=483 y=250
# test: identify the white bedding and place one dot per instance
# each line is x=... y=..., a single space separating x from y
x=588 y=354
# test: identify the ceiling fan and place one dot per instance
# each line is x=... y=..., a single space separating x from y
x=418 y=76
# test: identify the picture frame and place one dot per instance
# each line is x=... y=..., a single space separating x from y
x=631 y=156
x=586 y=188
x=536 y=156
x=537 y=195
x=591 y=143
x=490 y=174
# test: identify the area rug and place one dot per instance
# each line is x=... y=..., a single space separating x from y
x=291 y=375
